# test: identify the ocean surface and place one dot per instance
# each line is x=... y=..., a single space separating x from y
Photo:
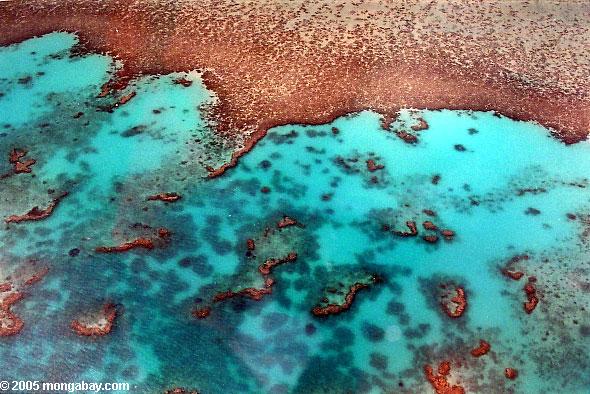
x=516 y=199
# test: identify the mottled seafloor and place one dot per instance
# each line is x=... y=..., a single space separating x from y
x=506 y=188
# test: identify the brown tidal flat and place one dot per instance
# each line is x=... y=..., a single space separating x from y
x=278 y=62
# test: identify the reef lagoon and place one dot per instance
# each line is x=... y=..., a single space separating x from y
x=447 y=248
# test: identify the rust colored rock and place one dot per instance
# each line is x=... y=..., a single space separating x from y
x=531 y=294
x=37 y=276
x=372 y=166
x=24 y=167
x=4 y=287
x=510 y=373
x=429 y=212
x=15 y=155
x=250 y=292
x=421 y=125
x=286 y=221
x=125 y=99
x=439 y=381
x=202 y=313
x=166 y=197
x=35 y=213
x=413 y=230
x=266 y=268
x=448 y=234
x=99 y=328
x=334 y=309
x=145 y=243
x=516 y=275
x=455 y=306
x=10 y=323
x=428 y=225
x=483 y=348
x=184 y=82
x=407 y=137
x=18 y=166
x=265 y=189
x=431 y=239
x=163 y=232
x=180 y=390
x=250 y=244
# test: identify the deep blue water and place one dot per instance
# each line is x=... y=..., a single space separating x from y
x=504 y=187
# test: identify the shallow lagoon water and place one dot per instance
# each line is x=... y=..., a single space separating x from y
x=505 y=188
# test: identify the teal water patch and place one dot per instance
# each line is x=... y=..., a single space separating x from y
x=504 y=188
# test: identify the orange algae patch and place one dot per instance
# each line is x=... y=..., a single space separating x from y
x=286 y=221
x=166 y=197
x=510 y=373
x=202 y=313
x=10 y=294
x=421 y=125
x=36 y=213
x=10 y=324
x=20 y=167
x=439 y=381
x=531 y=294
x=372 y=166
x=411 y=225
x=455 y=307
x=269 y=264
x=483 y=348
x=141 y=242
x=334 y=309
x=145 y=243
x=102 y=325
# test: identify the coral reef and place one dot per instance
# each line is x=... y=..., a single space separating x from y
x=98 y=324
x=36 y=213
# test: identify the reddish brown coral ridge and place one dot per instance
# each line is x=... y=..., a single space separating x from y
x=509 y=270
x=36 y=213
x=531 y=294
x=287 y=221
x=448 y=234
x=407 y=137
x=428 y=226
x=184 y=82
x=19 y=166
x=10 y=324
x=335 y=309
x=439 y=381
x=37 y=276
x=166 y=197
x=372 y=166
x=268 y=265
x=202 y=313
x=483 y=349
x=411 y=225
x=453 y=305
x=250 y=244
x=10 y=294
x=180 y=390
x=255 y=294
x=421 y=125
x=101 y=327
x=510 y=373
x=141 y=242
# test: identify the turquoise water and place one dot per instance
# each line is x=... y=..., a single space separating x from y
x=504 y=187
